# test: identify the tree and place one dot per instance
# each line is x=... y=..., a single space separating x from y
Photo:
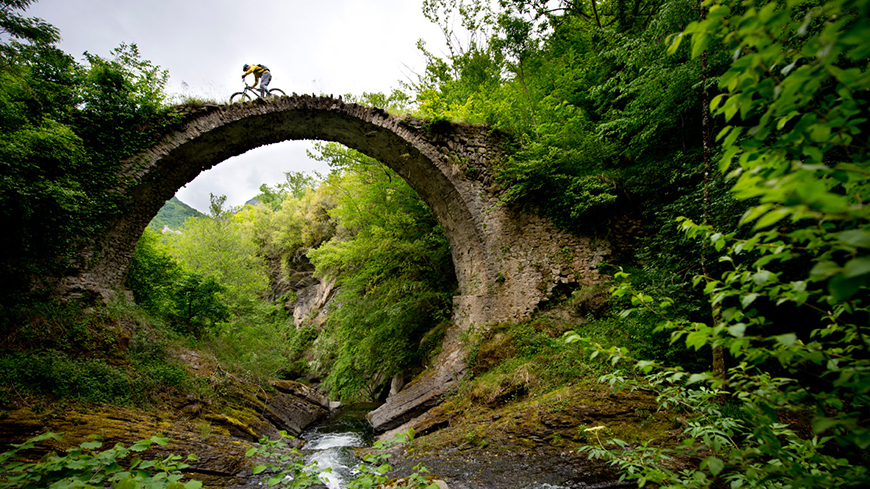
x=392 y=265
x=65 y=129
x=14 y=28
x=221 y=246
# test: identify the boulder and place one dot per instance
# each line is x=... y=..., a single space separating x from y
x=427 y=390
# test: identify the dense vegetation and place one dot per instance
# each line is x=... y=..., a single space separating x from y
x=66 y=127
x=731 y=137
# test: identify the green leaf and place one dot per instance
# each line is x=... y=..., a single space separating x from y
x=258 y=469
x=715 y=465
x=90 y=445
x=695 y=378
x=857 y=267
x=160 y=440
x=700 y=41
x=126 y=483
x=786 y=339
x=824 y=269
x=858 y=238
x=738 y=330
x=675 y=43
x=761 y=277
x=770 y=218
x=747 y=300
x=842 y=287
x=820 y=425
x=141 y=446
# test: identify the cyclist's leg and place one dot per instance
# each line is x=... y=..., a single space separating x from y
x=264 y=83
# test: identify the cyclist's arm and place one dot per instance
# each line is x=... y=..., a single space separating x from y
x=250 y=70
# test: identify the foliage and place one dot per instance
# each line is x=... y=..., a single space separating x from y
x=296 y=184
x=376 y=464
x=192 y=303
x=65 y=129
x=799 y=82
x=600 y=113
x=89 y=467
x=392 y=264
x=285 y=467
x=20 y=28
x=55 y=372
x=221 y=249
x=68 y=351
x=196 y=308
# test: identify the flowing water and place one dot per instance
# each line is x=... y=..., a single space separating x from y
x=330 y=443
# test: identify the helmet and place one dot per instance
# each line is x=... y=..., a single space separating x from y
x=245 y=68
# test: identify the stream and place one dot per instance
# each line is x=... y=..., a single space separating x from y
x=330 y=443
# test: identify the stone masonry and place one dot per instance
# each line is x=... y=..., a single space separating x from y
x=507 y=262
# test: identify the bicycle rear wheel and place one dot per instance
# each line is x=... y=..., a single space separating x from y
x=240 y=97
x=277 y=92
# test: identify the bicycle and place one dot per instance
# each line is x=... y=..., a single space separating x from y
x=246 y=94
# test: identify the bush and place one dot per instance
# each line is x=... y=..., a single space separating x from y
x=54 y=373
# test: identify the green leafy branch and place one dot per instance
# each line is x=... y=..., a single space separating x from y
x=86 y=467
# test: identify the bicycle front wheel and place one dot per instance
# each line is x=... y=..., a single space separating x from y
x=240 y=97
x=277 y=92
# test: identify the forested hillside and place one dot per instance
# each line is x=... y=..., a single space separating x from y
x=720 y=148
x=173 y=214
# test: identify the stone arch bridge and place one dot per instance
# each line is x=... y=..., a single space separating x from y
x=507 y=262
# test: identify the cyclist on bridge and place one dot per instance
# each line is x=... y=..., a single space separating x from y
x=261 y=74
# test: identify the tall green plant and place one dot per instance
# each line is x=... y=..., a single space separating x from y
x=793 y=306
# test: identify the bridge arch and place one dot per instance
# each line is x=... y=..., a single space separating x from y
x=218 y=133
x=507 y=262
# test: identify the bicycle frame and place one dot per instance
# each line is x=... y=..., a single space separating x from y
x=251 y=93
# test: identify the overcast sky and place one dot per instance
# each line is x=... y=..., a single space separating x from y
x=321 y=47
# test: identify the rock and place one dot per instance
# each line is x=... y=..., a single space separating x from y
x=397 y=384
x=426 y=391
x=301 y=391
x=311 y=301
x=290 y=413
x=217 y=433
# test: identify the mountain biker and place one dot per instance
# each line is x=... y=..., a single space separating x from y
x=261 y=74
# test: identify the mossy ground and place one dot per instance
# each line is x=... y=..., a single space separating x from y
x=529 y=404
x=558 y=419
